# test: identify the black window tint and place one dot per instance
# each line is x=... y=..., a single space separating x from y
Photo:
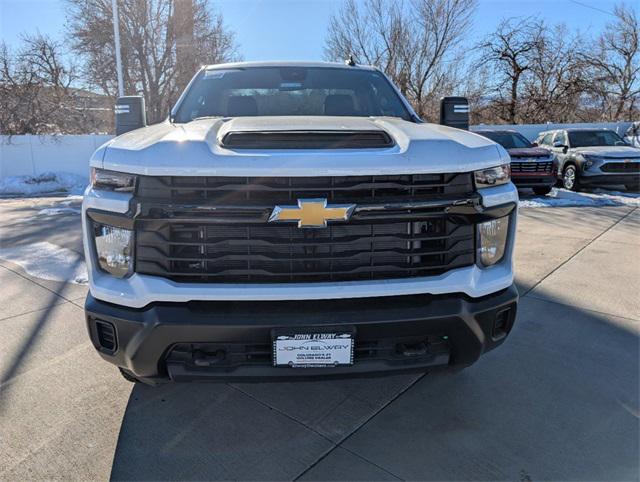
x=508 y=140
x=284 y=91
x=595 y=138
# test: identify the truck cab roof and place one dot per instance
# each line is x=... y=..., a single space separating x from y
x=287 y=63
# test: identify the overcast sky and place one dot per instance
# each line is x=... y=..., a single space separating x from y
x=295 y=29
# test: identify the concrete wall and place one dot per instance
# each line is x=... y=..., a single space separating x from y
x=31 y=155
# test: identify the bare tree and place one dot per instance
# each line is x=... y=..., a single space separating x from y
x=555 y=80
x=509 y=51
x=615 y=65
x=413 y=42
x=37 y=93
x=162 y=41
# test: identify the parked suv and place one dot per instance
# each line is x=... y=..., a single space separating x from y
x=531 y=167
x=297 y=220
x=593 y=157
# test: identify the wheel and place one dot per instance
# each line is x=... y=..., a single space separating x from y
x=128 y=376
x=570 y=178
x=542 y=190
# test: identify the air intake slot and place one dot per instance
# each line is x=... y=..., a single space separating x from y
x=107 y=336
x=307 y=140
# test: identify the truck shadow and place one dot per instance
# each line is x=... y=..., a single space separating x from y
x=558 y=400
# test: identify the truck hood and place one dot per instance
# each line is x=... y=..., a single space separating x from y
x=195 y=149
x=616 y=152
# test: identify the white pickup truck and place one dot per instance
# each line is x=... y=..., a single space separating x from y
x=297 y=220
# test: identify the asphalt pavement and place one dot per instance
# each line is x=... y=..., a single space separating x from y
x=558 y=401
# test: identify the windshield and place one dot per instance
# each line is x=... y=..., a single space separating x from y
x=594 y=138
x=290 y=91
x=508 y=140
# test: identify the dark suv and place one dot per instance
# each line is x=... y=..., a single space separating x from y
x=531 y=167
x=593 y=157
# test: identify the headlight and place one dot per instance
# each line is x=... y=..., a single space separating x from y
x=590 y=161
x=592 y=158
x=112 y=180
x=493 y=239
x=114 y=247
x=494 y=176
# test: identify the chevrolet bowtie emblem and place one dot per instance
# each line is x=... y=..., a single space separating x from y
x=312 y=213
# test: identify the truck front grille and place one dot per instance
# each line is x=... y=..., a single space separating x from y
x=176 y=243
x=545 y=167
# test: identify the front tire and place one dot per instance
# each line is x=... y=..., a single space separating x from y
x=570 y=178
x=542 y=190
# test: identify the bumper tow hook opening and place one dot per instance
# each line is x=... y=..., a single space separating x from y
x=202 y=359
x=414 y=349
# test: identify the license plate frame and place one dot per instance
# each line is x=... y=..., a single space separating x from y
x=313 y=347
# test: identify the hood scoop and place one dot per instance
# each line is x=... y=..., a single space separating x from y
x=307 y=139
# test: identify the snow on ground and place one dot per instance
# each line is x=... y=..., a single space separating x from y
x=564 y=198
x=46 y=183
x=56 y=211
x=48 y=261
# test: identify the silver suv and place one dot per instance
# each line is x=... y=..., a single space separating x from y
x=593 y=157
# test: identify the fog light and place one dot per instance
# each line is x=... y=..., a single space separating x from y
x=114 y=249
x=493 y=239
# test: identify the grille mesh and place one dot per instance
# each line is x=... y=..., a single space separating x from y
x=545 y=167
x=270 y=191
x=623 y=167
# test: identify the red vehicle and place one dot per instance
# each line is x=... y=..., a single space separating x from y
x=531 y=166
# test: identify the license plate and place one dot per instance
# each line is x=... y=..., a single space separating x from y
x=313 y=350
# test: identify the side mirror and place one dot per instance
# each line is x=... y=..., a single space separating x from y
x=130 y=113
x=454 y=112
x=534 y=144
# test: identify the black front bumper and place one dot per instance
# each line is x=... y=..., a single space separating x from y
x=616 y=179
x=228 y=340
x=527 y=181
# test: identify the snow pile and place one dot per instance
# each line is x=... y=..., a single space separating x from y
x=57 y=211
x=48 y=182
x=564 y=198
x=48 y=261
